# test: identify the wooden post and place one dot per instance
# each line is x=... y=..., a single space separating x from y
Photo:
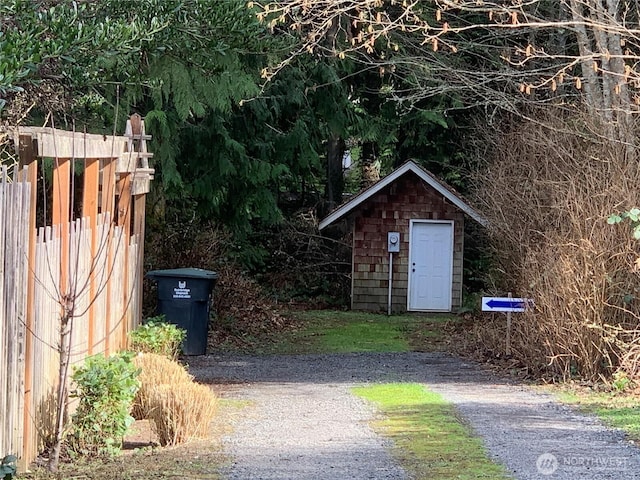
x=90 y=211
x=61 y=215
x=107 y=206
x=107 y=201
x=136 y=130
x=138 y=230
x=125 y=203
x=27 y=158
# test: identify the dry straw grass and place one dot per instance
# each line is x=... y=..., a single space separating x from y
x=182 y=411
x=155 y=370
x=179 y=408
x=548 y=193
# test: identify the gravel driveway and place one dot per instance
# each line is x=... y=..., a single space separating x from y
x=306 y=425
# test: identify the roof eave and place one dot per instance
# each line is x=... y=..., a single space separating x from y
x=346 y=208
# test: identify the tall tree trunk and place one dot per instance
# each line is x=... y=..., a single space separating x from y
x=603 y=67
x=369 y=172
x=335 y=178
x=64 y=350
x=591 y=84
x=617 y=66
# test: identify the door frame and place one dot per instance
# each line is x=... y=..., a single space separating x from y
x=453 y=241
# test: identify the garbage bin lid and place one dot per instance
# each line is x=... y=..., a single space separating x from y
x=184 y=273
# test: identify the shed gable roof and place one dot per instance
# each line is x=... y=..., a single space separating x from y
x=409 y=166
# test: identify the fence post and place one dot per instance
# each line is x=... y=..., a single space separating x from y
x=90 y=211
x=28 y=158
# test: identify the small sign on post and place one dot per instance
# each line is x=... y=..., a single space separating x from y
x=507 y=305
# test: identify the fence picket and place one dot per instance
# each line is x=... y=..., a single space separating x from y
x=9 y=311
x=4 y=327
x=14 y=204
x=23 y=198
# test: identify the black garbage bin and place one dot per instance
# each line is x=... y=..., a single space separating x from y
x=183 y=298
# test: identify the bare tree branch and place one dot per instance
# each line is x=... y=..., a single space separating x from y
x=501 y=54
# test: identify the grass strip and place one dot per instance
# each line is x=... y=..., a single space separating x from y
x=363 y=336
x=327 y=331
x=430 y=441
x=618 y=410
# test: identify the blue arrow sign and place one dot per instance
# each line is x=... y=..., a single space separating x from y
x=505 y=304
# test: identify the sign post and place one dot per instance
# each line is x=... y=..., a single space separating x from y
x=508 y=305
x=508 y=349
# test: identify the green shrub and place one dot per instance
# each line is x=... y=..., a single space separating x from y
x=157 y=336
x=8 y=467
x=621 y=381
x=106 y=388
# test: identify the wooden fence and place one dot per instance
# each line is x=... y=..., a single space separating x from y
x=87 y=260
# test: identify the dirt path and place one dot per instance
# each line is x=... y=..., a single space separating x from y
x=306 y=425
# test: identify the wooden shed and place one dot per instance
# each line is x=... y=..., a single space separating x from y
x=415 y=223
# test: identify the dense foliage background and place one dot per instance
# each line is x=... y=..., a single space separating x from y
x=254 y=106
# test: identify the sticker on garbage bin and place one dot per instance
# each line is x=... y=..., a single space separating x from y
x=182 y=291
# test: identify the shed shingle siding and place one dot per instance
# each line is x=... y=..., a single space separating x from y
x=391 y=209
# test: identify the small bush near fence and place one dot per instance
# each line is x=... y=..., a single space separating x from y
x=8 y=467
x=157 y=336
x=106 y=388
x=150 y=385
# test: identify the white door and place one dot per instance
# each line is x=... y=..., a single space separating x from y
x=430 y=265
